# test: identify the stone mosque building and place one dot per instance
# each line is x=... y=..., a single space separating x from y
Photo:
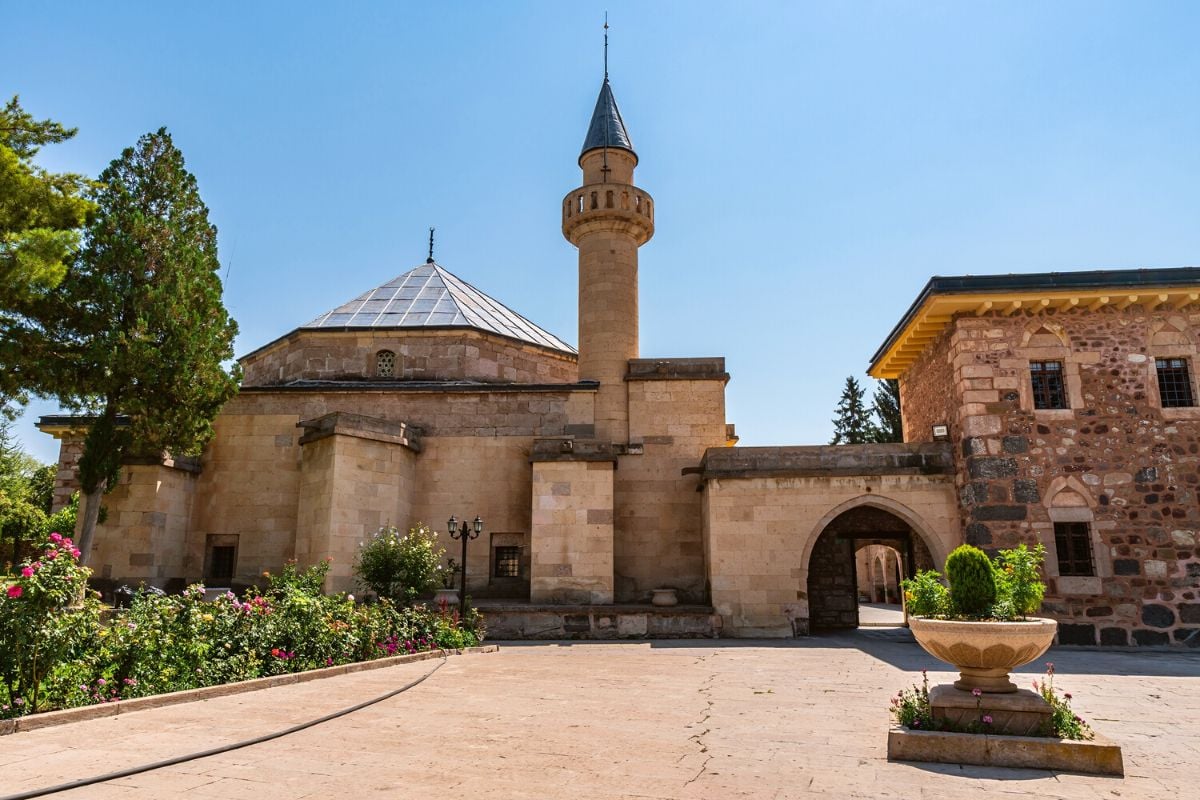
x=1058 y=408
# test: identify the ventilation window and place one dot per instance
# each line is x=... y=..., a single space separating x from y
x=1047 y=379
x=385 y=364
x=1073 y=543
x=508 y=562
x=1174 y=382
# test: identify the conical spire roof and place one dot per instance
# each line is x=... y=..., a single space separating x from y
x=431 y=297
x=607 y=129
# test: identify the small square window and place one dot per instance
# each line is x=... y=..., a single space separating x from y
x=1174 y=382
x=1047 y=379
x=1073 y=543
x=220 y=560
x=508 y=562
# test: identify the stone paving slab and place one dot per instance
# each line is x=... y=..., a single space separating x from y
x=663 y=720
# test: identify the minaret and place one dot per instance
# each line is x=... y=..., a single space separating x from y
x=608 y=219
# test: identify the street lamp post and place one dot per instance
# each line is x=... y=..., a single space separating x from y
x=465 y=531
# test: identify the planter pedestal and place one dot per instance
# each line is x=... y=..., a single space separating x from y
x=1020 y=713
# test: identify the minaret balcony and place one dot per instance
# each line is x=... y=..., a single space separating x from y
x=618 y=207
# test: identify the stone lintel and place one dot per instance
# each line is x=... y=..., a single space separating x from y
x=677 y=369
x=572 y=450
x=926 y=458
x=60 y=425
x=360 y=427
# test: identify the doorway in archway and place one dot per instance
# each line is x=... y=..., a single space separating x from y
x=834 y=586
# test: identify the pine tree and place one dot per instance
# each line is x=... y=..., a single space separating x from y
x=40 y=217
x=143 y=333
x=888 y=426
x=852 y=425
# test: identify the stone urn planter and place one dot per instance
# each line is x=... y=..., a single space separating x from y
x=984 y=652
x=664 y=597
x=447 y=596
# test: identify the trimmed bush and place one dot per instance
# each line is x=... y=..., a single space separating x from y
x=972 y=581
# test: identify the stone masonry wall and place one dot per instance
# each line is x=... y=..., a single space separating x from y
x=1115 y=459
x=351 y=487
x=142 y=540
x=420 y=355
x=659 y=531
x=572 y=532
x=927 y=393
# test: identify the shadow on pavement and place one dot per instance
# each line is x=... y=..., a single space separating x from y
x=896 y=646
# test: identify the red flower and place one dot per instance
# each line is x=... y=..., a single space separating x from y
x=15 y=591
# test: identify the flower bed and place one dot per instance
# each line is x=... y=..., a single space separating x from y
x=55 y=653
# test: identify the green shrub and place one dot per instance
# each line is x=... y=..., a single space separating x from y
x=1019 y=584
x=925 y=595
x=399 y=566
x=972 y=581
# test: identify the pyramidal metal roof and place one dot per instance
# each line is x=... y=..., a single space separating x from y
x=607 y=128
x=431 y=297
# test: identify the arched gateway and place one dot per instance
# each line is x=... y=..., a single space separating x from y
x=782 y=525
x=833 y=584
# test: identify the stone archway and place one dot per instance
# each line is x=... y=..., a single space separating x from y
x=832 y=574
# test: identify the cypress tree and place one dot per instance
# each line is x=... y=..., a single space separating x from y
x=143 y=333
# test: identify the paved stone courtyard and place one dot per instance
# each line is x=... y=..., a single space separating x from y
x=685 y=719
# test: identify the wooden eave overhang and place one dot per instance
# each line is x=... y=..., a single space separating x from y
x=944 y=299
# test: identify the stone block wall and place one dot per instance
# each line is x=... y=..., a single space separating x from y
x=1115 y=460
x=142 y=539
x=468 y=476
x=659 y=531
x=420 y=356
x=356 y=476
x=248 y=486
x=572 y=532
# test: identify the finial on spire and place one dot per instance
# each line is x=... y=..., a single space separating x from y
x=430 y=259
x=606 y=46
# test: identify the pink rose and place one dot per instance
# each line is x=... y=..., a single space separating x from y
x=15 y=591
x=27 y=572
x=56 y=537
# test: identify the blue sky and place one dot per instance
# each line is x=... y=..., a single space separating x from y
x=812 y=164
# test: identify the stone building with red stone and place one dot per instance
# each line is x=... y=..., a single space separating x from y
x=1057 y=408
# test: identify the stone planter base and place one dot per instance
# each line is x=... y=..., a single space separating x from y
x=1021 y=713
x=1096 y=757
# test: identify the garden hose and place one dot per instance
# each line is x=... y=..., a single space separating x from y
x=125 y=773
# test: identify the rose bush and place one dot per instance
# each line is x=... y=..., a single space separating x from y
x=54 y=653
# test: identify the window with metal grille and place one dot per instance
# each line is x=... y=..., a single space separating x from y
x=1073 y=541
x=1174 y=382
x=508 y=562
x=221 y=559
x=1047 y=378
x=385 y=364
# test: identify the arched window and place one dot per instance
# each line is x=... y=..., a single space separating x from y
x=385 y=364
